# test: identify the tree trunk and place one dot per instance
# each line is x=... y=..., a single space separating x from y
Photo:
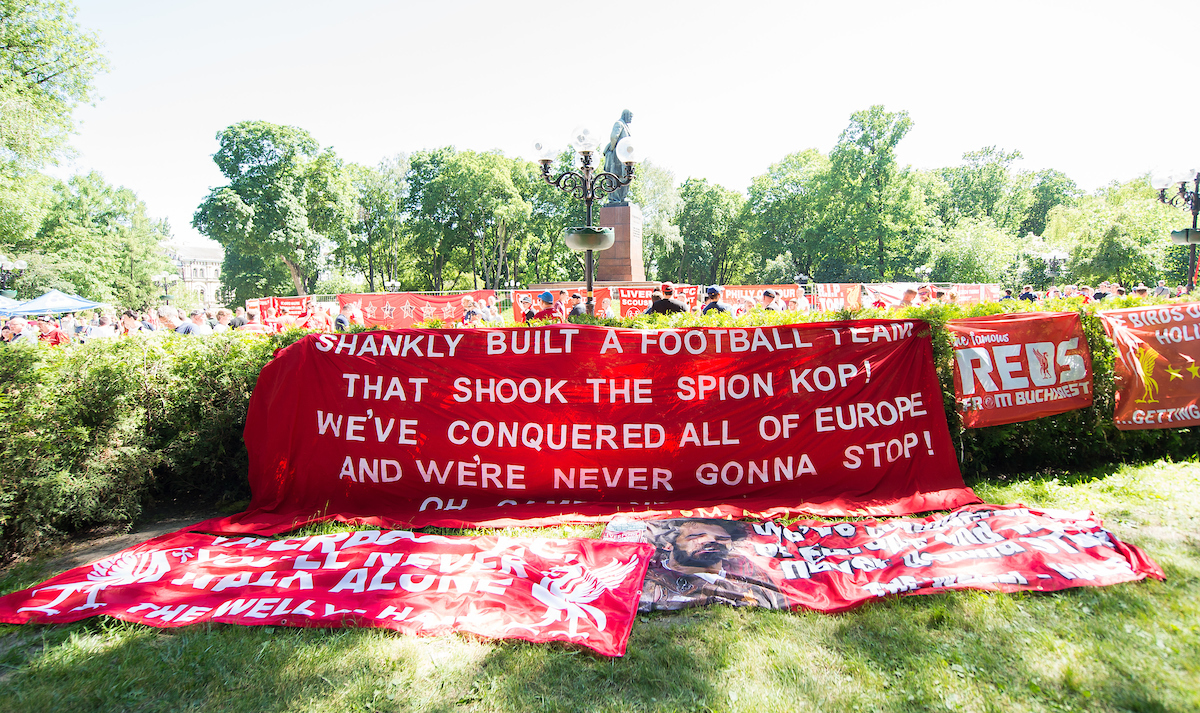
x=297 y=277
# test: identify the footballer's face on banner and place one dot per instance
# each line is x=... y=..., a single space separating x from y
x=701 y=544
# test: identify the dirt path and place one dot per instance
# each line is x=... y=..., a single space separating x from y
x=90 y=547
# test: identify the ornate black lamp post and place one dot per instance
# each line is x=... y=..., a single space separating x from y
x=165 y=279
x=1186 y=185
x=586 y=183
x=10 y=270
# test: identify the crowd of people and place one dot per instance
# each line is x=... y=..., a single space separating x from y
x=100 y=324
x=546 y=306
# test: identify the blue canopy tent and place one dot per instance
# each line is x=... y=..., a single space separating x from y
x=6 y=305
x=53 y=302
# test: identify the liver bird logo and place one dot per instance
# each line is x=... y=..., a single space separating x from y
x=120 y=569
x=569 y=590
x=1145 y=370
x=1043 y=361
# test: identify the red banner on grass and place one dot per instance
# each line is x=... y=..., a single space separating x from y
x=400 y=310
x=832 y=567
x=1157 y=365
x=575 y=423
x=576 y=591
x=1018 y=367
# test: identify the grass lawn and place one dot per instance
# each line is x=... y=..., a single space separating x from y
x=1132 y=647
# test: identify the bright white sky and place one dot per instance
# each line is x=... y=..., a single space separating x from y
x=720 y=90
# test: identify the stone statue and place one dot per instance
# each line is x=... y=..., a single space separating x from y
x=611 y=163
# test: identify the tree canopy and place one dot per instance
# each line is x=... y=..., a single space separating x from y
x=47 y=67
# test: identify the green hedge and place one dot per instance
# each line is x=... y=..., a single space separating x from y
x=91 y=434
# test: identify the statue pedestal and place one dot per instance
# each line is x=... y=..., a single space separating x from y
x=623 y=261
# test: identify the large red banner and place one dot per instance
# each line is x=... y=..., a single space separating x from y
x=1021 y=366
x=833 y=567
x=577 y=591
x=1157 y=365
x=400 y=310
x=636 y=300
x=575 y=423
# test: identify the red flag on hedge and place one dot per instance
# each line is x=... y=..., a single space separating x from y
x=1157 y=365
x=1020 y=366
x=570 y=423
x=576 y=591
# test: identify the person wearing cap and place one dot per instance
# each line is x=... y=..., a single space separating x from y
x=525 y=305
x=196 y=325
x=545 y=307
x=577 y=307
x=50 y=333
x=770 y=302
x=712 y=301
x=667 y=304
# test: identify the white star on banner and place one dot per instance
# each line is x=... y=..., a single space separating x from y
x=407 y=308
x=447 y=311
x=428 y=311
x=388 y=309
x=369 y=310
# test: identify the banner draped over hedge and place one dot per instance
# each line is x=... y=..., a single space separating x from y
x=91 y=434
x=1158 y=350
x=569 y=422
x=1017 y=367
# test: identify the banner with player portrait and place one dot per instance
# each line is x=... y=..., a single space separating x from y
x=1157 y=365
x=835 y=566
x=1020 y=366
x=575 y=423
x=576 y=591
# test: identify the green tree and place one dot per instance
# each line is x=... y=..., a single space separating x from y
x=974 y=250
x=466 y=211
x=983 y=187
x=97 y=239
x=714 y=246
x=287 y=201
x=47 y=66
x=374 y=247
x=1046 y=189
x=1122 y=232
x=655 y=193
x=870 y=193
x=786 y=213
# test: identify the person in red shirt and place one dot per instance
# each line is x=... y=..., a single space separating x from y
x=50 y=333
x=254 y=326
x=545 y=308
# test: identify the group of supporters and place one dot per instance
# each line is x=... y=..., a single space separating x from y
x=663 y=300
x=1106 y=289
x=70 y=328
